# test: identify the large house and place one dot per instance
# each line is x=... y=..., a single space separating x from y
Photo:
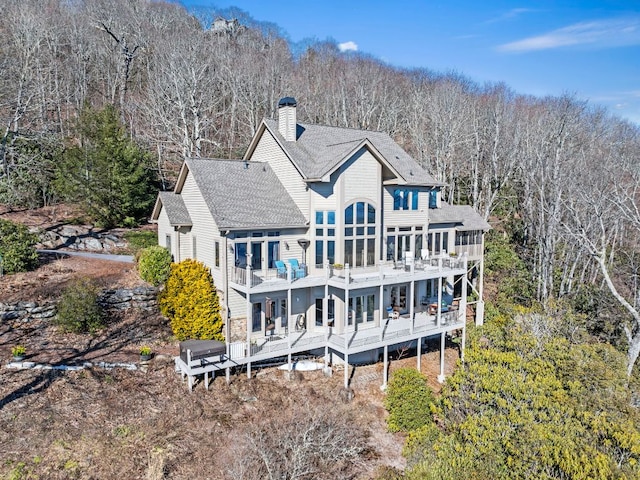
x=324 y=239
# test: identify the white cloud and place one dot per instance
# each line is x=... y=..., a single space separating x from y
x=511 y=14
x=599 y=34
x=348 y=46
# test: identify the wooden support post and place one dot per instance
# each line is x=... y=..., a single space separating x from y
x=462 y=342
x=385 y=370
x=346 y=370
x=442 y=345
x=419 y=353
x=227 y=374
x=249 y=370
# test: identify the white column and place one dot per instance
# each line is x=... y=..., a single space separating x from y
x=411 y=305
x=419 y=354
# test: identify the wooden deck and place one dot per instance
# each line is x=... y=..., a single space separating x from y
x=393 y=332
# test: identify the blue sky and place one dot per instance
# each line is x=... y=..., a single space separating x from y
x=587 y=48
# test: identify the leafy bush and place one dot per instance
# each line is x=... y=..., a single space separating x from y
x=78 y=309
x=17 y=247
x=190 y=301
x=154 y=264
x=408 y=401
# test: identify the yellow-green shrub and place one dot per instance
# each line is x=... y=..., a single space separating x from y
x=154 y=264
x=191 y=303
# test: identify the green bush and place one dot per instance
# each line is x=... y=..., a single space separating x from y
x=78 y=309
x=154 y=264
x=190 y=301
x=17 y=247
x=408 y=401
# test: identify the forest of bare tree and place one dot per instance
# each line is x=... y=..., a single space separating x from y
x=559 y=176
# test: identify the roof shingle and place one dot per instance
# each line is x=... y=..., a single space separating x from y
x=176 y=209
x=464 y=215
x=320 y=148
x=243 y=195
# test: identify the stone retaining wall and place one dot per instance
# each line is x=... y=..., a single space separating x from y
x=144 y=298
x=81 y=238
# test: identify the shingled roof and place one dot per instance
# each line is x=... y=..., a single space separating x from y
x=242 y=195
x=319 y=149
x=176 y=210
x=463 y=215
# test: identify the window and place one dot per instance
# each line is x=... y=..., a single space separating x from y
x=256 y=320
x=263 y=246
x=241 y=254
x=273 y=254
x=360 y=242
x=283 y=314
x=325 y=237
x=401 y=240
x=194 y=248
x=256 y=255
x=362 y=308
x=319 y=312
x=167 y=243
x=433 y=198
x=216 y=253
x=438 y=242
x=405 y=199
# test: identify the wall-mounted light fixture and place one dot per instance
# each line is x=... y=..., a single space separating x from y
x=286 y=245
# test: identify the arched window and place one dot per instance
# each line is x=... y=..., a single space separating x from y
x=360 y=234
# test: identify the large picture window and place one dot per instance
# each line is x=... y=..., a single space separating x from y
x=360 y=234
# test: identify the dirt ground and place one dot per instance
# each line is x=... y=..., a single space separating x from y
x=104 y=424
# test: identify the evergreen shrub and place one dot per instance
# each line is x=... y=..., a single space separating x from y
x=17 y=247
x=409 y=401
x=154 y=265
x=78 y=308
x=190 y=301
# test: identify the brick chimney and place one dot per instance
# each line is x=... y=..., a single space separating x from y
x=287 y=118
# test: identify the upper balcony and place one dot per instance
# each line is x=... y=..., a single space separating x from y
x=249 y=280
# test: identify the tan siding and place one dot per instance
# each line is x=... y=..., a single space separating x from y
x=204 y=228
x=269 y=151
x=184 y=241
x=164 y=229
x=237 y=304
x=362 y=177
x=394 y=218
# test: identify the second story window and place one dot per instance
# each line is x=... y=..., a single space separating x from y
x=405 y=199
x=433 y=199
x=360 y=234
x=325 y=236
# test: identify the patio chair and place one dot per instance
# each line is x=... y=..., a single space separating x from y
x=282 y=269
x=298 y=271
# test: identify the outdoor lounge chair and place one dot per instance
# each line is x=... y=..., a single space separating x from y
x=282 y=269
x=298 y=271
